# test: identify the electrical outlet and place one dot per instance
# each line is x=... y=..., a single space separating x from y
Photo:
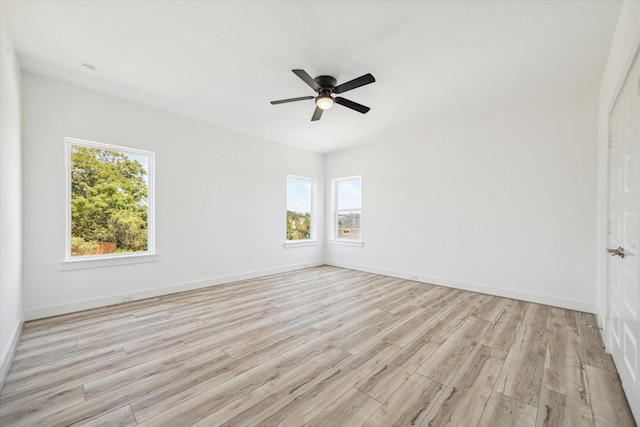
x=414 y=277
x=127 y=298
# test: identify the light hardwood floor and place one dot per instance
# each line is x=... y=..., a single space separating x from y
x=319 y=347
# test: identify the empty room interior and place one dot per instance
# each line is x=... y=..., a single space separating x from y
x=320 y=213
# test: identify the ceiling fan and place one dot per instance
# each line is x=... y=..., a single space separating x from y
x=325 y=86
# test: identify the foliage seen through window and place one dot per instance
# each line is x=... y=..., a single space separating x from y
x=299 y=207
x=108 y=202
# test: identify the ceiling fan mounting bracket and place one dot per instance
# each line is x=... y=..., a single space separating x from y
x=326 y=82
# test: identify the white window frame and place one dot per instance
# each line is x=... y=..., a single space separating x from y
x=313 y=240
x=94 y=261
x=335 y=240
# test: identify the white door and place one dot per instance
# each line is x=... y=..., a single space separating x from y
x=624 y=233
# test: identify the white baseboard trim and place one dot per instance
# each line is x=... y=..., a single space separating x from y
x=555 y=301
x=601 y=321
x=42 y=312
x=11 y=352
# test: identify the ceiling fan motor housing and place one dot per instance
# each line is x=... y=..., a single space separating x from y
x=326 y=82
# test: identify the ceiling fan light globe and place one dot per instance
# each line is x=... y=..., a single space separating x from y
x=324 y=102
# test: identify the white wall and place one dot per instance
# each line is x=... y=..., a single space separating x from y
x=624 y=46
x=10 y=203
x=500 y=201
x=220 y=199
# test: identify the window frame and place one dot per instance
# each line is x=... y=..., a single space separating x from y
x=335 y=239
x=92 y=261
x=312 y=241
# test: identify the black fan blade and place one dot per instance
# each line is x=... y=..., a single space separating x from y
x=302 y=98
x=317 y=114
x=352 y=84
x=350 y=104
x=307 y=79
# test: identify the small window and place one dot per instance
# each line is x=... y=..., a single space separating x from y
x=348 y=208
x=300 y=208
x=110 y=200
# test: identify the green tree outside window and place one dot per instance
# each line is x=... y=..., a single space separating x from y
x=108 y=202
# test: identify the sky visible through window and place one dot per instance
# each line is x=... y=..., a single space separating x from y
x=350 y=194
x=299 y=195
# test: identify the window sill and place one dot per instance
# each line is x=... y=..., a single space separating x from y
x=300 y=243
x=107 y=261
x=344 y=242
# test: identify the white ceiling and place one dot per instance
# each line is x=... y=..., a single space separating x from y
x=223 y=62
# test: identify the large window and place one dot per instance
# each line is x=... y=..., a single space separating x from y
x=110 y=200
x=300 y=208
x=347 y=208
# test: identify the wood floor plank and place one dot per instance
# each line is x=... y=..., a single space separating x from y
x=157 y=369
x=40 y=407
x=447 y=359
x=267 y=338
x=319 y=346
x=408 y=405
x=538 y=315
x=393 y=304
x=577 y=413
x=502 y=332
x=521 y=376
x=45 y=355
x=465 y=303
x=351 y=334
x=407 y=301
x=463 y=401
x=55 y=383
x=257 y=403
x=116 y=397
x=505 y=411
x=608 y=402
x=334 y=383
x=564 y=317
x=351 y=409
x=550 y=408
x=516 y=308
x=564 y=370
x=490 y=308
x=373 y=331
x=556 y=409
x=193 y=407
x=591 y=338
x=121 y=417
x=108 y=328
x=227 y=334
x=49 y=378
x=383 y=382
x=72 y=359
x=201 y=380
x=415 y=326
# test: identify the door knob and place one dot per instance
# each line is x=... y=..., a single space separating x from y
x=614 y=252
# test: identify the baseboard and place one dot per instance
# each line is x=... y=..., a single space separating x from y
x=571 y=304
x=6 y=363
x=42 y=312
x=601 y=323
